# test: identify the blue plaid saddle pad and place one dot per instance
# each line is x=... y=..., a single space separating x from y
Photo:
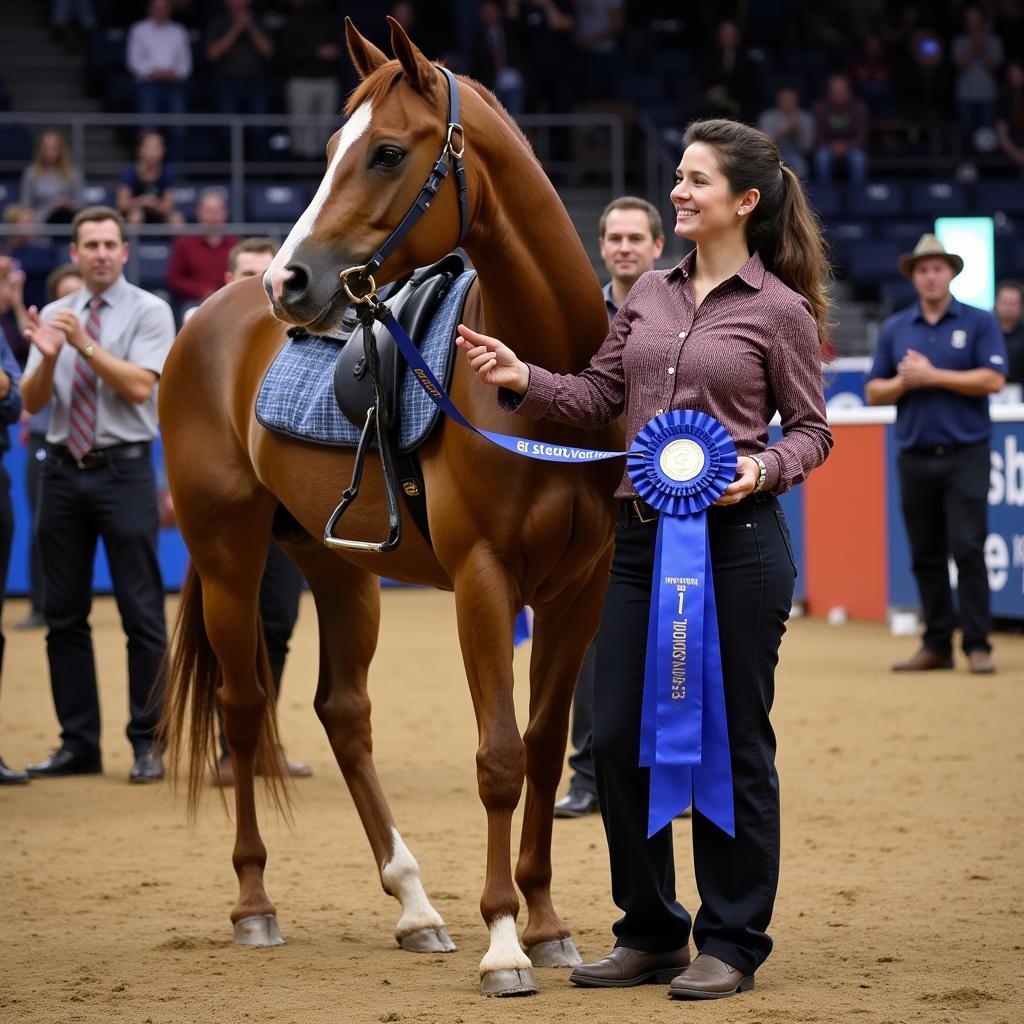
x=297 y=394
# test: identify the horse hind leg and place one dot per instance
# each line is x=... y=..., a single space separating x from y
x=561 y=629
x=348 y=613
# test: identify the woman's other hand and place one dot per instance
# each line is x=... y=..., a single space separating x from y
x=747 y=473
x=494 y=362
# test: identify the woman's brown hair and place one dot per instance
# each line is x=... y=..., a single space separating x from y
x=64 y=168
x=782 y=228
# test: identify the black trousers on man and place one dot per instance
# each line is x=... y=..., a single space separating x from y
x=35 y=457
x=115 y=501
x=944 y=493
x=736 y=877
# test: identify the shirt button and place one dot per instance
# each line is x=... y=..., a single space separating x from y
x=671 y=369
x=682 y=334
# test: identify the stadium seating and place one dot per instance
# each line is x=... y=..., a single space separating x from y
x=937 y=199
x=875 y=199
x=280 y=204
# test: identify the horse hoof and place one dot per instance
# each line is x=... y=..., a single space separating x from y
x=513 y=981
x=428 y=940
x=555 y=953
x=261 y=930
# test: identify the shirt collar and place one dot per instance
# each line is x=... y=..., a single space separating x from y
x=114 y=294
x=955 y=308
x=751 y=273
x=609 y=299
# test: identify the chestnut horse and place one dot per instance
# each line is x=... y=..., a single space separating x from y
x=505 y=531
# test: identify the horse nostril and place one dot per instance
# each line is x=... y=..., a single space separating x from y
x=297 y=284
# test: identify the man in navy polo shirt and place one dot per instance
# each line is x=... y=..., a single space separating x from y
x=938 y=361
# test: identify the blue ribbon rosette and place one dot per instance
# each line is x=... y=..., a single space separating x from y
x=680 y=463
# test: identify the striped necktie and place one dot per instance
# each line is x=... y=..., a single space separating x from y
x=82 y=415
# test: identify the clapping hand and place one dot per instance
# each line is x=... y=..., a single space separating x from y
x=44 y=336
x=493 y=361
x=916 y=370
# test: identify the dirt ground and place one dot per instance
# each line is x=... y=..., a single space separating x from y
x=900 y=901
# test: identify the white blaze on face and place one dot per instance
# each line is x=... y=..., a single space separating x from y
x=354 y=127
x=401 y=875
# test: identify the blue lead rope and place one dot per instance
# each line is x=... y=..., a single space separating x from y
x=680 y=463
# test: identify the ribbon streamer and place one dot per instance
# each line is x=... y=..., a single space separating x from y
x=680 y=463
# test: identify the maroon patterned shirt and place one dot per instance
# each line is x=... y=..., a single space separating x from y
x=749 y=350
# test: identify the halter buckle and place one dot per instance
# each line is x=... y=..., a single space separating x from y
x=369 y=293
x=454 y=126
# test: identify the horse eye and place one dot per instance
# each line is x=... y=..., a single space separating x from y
x=389 y=156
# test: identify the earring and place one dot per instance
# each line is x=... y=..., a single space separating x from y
x=740 y=212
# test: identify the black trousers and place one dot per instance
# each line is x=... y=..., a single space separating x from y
x=736 y=877
x=36 y=456
x=280 y=591
x=581 y=760
x=6 y=536
x=944 y=493
x=77 y=507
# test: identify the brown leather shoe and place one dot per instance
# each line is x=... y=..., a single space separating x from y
x=924 y=661
x=623 y=967
x=709 y=978
x=980 y=663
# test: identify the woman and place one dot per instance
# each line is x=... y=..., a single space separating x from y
x=145 y=194
x=734 y=331
x=51 y=185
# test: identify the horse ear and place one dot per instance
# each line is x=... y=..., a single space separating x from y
x=366 y=57
x=422 y=75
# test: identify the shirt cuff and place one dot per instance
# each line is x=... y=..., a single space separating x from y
x=540 y=393
x=773 y=471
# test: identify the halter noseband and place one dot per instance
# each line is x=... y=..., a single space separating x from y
x=358 y=281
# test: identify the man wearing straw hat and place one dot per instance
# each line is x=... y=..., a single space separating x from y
x=938 y=361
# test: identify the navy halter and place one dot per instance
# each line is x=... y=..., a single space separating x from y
x=358 y=281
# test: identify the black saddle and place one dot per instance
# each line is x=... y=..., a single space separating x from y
x=413 y=301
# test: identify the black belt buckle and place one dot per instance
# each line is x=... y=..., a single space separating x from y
x=90 y=460
x=643 y=511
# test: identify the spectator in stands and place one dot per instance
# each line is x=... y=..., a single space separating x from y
x=309 y=48
x=239 y=52
x=1008 y=310
x=496 y=61
x=841 y=123
x=145 y=194
x=199 y=262
x=791 y=128
x=35 y=255
x=99 y=353
x=544 y=29
x=160 y=58
x=598 y=30
x=52 y=185
x=871 y=76
x=943 y=430
x=10 y=410
x=68 y=13
x=977 y=55
x=925 y=89
x=1010 y=116
x=61 y=283
x=13 y=308
x=727 y=75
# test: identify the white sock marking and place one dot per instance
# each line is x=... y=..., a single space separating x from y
x=504 y=953
x=401 y=875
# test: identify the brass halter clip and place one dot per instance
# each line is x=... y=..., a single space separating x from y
x=457 y=154
x=367 y=292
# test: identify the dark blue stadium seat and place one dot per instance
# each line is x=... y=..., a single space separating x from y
x=908 y=231
x=10 y=189
x=207 y=144
x=826 y=198
x=15 y=143
x=898 y=293
x=282 y=204
x=153 y=257
x=870 y=262
x=875 y=199
x=1015 y=263
x=841 y=235
x=937 y=199
x=98 y=195
x=639 y=87
x=999 y=197
x=106 y=49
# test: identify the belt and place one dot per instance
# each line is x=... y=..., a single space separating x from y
x=99 y=456
x=942 y=449
x=637 y=509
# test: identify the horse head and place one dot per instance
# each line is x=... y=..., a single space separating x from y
x=378 y=163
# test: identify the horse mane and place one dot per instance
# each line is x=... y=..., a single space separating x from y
x=377 y=85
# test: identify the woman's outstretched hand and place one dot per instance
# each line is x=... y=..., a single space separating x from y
x=494 y=362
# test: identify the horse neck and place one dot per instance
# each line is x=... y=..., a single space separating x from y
x=539 y=291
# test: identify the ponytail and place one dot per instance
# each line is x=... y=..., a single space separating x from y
x=782 y=228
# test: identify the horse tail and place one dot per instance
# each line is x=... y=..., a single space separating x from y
x=192 y=675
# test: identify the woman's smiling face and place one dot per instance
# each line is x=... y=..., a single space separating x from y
x=704 y=202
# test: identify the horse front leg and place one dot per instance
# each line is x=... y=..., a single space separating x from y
x=486 y=611
x=561 y=634
x=348 y=615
